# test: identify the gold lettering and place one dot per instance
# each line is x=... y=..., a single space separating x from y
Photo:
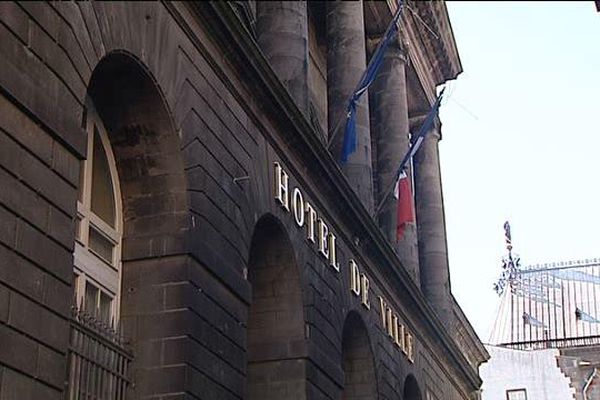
x=298 y=206
x=382 y=307
x=281 y=187
x=365 y=291
x=409 y=345
x=333 y=253
x=390 y=322
x=312 y=219
x=403 y=333
x=354 y=278
x=396 y=330
x=323 y=233
x=398 y=333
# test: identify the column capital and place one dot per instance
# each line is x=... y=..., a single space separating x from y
x=397 y=47
x=400 y=46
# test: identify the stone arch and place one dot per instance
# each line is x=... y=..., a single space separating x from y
x=147 y=153
x=411 y=389
x=357 y=360
x=154 y=198
x=276 y=346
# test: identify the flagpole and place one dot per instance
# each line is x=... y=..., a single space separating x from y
x=345 y=115
x=419 y=138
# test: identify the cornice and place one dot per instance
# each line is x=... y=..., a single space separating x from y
x=432 y=23
x=475 y=343
x=241 y=50
x=427 y=32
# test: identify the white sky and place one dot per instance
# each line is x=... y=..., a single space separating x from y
x=521 y=141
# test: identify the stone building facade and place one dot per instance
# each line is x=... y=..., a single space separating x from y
x=174 y=226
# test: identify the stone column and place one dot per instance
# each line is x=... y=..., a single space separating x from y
x=282 y=33
x=346 y=61
x=388 y=105
x=431 y=226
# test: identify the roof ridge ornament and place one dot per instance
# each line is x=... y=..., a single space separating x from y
x=511 y=265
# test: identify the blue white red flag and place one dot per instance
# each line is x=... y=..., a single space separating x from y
x=417 y=140
x=403 y=194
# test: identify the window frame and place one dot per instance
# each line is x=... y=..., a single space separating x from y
x=90 y=267
x=516 y=391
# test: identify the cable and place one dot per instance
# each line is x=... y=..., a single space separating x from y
x=423 y=22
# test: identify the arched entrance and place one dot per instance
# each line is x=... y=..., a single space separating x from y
x=147 y=154
x=136 y=128
x=357 y=361
x=411 y=389
x=276 y=351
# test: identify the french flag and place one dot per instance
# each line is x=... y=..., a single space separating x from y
x=406 y=213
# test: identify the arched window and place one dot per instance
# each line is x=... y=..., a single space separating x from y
x=97 y=274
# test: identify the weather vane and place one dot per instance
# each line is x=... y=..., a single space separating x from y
x=510 y=265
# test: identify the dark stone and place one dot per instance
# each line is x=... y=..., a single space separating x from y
x=190 y=104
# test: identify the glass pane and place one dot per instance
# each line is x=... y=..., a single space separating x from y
x=101 y=246
x=519 y=394
x=105 y=301
x=103 y=198
x=91 y=298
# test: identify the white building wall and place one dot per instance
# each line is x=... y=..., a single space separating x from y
x=536 y=371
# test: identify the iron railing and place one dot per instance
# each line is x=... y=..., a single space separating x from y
x=98 y=360
x=554 y=343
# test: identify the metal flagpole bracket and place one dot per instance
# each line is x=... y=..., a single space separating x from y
x=337 y=128
x=241 y=178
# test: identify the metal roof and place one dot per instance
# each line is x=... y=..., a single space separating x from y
x=550 y=305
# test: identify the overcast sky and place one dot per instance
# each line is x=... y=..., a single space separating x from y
x=521 y=141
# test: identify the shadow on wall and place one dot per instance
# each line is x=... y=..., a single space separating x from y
x=411 y=389
x=276 y=348
x=357 y=361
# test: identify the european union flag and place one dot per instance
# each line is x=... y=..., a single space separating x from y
x=367 y=78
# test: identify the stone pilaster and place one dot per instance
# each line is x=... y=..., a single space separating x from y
x=346 y=61
x=282 y=33
x=388 y=107
x=431 y=226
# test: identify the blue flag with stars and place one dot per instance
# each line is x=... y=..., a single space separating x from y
x=350 y=139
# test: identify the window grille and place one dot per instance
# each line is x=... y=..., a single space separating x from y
x=99 y=361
